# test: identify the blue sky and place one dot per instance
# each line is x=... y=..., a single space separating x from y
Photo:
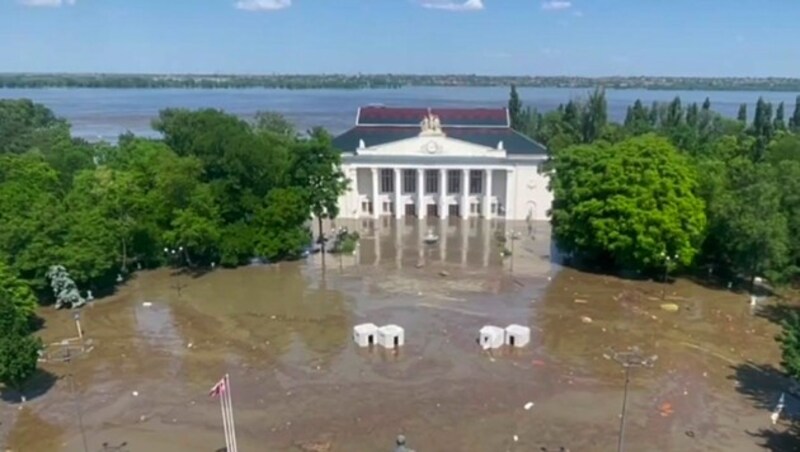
x=531 y=37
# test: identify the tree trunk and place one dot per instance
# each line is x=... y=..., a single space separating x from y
x=124 y=256
x=319 y=225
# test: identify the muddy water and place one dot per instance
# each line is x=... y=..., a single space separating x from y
x=283 y=333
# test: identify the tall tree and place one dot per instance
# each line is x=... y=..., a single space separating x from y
x=707 y=104
x=316 y=168
x=754 y=236
x=762 y=128
x=794 y=121
x=595 y=115
x=515 y=109
x=741 y=115
x=654 y=114
x=779 y=123
x=674 y=116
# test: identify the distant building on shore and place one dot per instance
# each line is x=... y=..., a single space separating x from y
x=439 y=163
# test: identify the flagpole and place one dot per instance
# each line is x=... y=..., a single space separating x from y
x=225 y=420
x=230 y=414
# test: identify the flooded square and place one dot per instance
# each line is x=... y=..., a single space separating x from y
x=284 y=334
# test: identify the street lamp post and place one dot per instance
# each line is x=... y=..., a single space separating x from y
x=174 y=255
x=667 y=262
x=513 y=236
x=629 y=359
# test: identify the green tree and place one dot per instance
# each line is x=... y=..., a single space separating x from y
x=741 y=116
x=316 y=169
x=271 y=122
x=790 y=344
x=17 y=293
x=753 y=229
x=595 y=116
x=794 y=121
x=515 y=110
x=674 y=114
x=762 y=128
x=281 y=221
x=627 y=204
x=779 y=123
x=19 y=355
x=31 y=216
x=196 y=228
x=23 y=122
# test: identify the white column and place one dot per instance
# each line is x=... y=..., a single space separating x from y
x=398 y=244
x=511 y=188
x=487 y=194
x=464 y=193
x=486 y=244
x=376 y=233
x=422 y=210
x=399 y=210
x=376 y=207
x=443 y=240
x=464 y=241
x=443 y=207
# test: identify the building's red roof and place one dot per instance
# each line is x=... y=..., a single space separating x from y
x=449 y=117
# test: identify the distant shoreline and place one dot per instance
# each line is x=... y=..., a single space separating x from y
x=389 y=81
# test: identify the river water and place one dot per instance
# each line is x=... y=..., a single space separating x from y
x=299 y=383
x=102 y=114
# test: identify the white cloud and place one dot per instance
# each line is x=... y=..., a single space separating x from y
x=450 y=5
x=47 y=3
x=556 y=5
x=263 y=5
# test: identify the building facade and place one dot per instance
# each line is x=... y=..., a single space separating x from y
x=441 y=163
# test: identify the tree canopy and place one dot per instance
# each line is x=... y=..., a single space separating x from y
x=629 y=205
x=217 y=188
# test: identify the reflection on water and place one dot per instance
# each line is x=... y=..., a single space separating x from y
x=155 y=326
x=474 y=242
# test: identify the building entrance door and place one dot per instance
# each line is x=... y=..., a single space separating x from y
x=411 y=210
x=433 y=210
x=453 y=210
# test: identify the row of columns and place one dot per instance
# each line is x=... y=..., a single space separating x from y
x=443 y=206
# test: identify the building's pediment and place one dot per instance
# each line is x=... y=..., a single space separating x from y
x=433 y=145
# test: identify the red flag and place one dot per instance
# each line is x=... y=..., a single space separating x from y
x=217 y=389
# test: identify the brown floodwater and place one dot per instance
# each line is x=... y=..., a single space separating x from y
x=283 y=333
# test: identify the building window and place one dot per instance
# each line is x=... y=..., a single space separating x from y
x=475 y=182
x=453 y=182
x=473 y=207
x=409 y=181
x=365 y=207
x=432 y=181
x=387 y=180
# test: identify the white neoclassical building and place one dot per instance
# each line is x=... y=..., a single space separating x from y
x=441 y=162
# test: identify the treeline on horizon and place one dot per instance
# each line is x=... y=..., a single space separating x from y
x=675 y=187
x=388 y=81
